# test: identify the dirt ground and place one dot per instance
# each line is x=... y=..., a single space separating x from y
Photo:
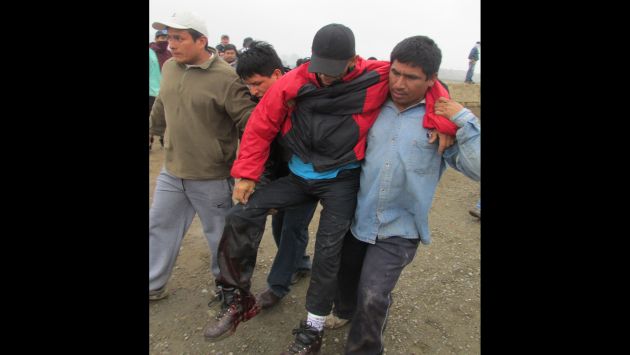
x=436 y=307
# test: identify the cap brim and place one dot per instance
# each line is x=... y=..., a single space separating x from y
x=164 y=25
x=332 y=67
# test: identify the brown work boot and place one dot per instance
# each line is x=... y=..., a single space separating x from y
x=268 y=299
x=308 y=340
x=235 y=309
x=334 y=322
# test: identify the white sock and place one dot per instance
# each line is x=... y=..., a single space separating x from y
x=316 y=322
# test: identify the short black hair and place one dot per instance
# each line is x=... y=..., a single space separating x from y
x=229 y=46
x=302 y=61
x=247 y=42
x=259 y=59
x=418 y=51
x=372 y=58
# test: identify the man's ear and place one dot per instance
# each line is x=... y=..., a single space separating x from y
x=277 y=73
x=431 y=81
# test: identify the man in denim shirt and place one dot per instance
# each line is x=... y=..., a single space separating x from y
x=399 y=176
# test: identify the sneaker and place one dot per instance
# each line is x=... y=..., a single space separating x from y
x=334 y=322
x=235 y=309
x=308 y=340
x=299 y=275
x=475 y=212
x=268 y=299
x=158 y=294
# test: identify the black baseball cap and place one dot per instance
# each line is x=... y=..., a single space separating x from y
x=333 y=46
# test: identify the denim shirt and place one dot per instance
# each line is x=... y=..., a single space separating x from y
x=401 y=171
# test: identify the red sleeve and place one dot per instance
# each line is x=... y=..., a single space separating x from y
x=263 y=126
x=431 y=120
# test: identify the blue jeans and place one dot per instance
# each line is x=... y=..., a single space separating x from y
x=471 y=71
x=290 y=231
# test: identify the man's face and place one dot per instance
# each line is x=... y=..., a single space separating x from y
x=225 y=40
x=161 y=38
x=230 y=55
x=184 y=49
x=407 y=84
x=328 y=80
x=258 y=84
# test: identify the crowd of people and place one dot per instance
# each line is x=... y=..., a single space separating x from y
x=367 y=139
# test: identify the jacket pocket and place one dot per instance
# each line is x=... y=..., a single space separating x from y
x=422 y=157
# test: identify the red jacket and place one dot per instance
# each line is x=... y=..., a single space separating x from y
x=286 y=103
x=323 y=126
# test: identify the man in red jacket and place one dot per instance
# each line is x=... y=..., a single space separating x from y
x=323 y=111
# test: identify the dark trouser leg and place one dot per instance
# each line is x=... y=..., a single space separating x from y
x=338 y=197
x=244 y=227
x=383 y=263
x=352 y=255
x=292 y=226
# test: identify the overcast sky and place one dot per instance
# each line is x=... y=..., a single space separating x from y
x=378 y=25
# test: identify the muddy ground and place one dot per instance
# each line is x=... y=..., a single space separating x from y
x=436 y=306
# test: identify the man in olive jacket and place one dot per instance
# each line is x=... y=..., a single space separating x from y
x=200 y=109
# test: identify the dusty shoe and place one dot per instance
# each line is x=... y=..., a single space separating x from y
x=475 y=212
x=158 y=294
x=268 y=299
x=308 y=340
x=235 y=309
x=299 y=275
x=334 y=322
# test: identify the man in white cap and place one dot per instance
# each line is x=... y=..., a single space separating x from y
x=201 y=108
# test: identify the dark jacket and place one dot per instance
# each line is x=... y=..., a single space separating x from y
x=325 y=126
x=474 y=54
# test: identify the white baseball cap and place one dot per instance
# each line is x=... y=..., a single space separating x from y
x=183 y=20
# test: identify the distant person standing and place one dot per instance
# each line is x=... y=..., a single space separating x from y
x=247 y=42
x=158 y=54
x=225 y=40
x=473 y=57
x=230 y=55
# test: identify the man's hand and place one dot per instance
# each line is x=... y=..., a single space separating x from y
x=444 y=140
x=447 y=108
x=243 y=189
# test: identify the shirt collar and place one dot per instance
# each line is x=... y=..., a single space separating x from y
x=391 y=104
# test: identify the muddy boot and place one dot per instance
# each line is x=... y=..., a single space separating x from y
x=308 y=340
x=234 y=309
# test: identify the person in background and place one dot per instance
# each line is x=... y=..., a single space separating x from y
x=158 y=54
